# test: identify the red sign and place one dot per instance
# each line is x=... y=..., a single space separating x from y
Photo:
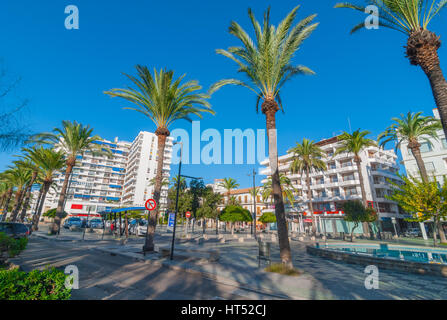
x=150 y=204
x=188 y=214
x=76 y=206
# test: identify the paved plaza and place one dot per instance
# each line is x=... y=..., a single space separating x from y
x=238 y=267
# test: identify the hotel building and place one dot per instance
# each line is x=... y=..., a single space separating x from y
x=340 y=182
x=124 y=178
x=243 y=196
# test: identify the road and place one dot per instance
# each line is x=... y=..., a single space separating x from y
x=104 y=277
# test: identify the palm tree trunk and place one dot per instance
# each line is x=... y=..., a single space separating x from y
x=439 y=89
x=36 y=216
x=6 y=206
x=269 y=108
x=415 y=149
x=162 y=134
x=358 y=163
x=28 y=196
x=15 y=210
x=56 y=225
x=311 y=207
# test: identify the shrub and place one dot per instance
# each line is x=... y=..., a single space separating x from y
x=47 y=284
x=52 y=214
x=282 y=269
x=10 y=247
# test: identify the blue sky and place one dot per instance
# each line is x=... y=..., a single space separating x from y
x=365 y=76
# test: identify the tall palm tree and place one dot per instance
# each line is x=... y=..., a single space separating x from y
x=288 y=190
x=229 y=184
x=307 y=159
x=410 y=129
x=181 y=180
x=355 y=143
x=163 y=99
x=267 y=62
x=412 y=17
x=72 y=139
x=49 y=162
x=28 y=163
x=21 y=176
x=6 y=179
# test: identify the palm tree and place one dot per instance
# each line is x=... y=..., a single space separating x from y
x=266 y=62
x=7 y=182
x=410 y=129
x=306 y=159
x=412 y=17
x=21 y=176
x=288 y=190
x=229 y=184
x=355 y=143
x=72 y=139
x=182 y=182
x=49 y=162
x=28 y=163
x=164 y=100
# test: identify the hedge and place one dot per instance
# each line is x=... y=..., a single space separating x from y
x=48 y=284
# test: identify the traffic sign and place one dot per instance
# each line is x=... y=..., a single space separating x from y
x=150 y=204
x=171 y=221
x=188 y=214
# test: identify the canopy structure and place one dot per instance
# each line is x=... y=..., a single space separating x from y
x=119 y=210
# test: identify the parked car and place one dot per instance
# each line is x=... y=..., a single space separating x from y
x=413 y=232
x=138 y=227
x=72 y=222
x=14 y=229
x=95 y=224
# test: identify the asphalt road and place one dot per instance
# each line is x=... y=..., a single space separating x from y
x=103 y=276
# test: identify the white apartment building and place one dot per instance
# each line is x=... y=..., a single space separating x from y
x=141 y=169
x=340 y=183
x=434 y=156
x=101 y=183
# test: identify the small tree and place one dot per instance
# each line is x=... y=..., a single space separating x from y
x=235 y=214
x=268 y=217
x=356 y=212
x=424 y=201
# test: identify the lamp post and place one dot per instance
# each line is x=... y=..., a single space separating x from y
x=176 y=198
x=253 y=224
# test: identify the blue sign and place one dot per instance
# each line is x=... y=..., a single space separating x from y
x=171 y=221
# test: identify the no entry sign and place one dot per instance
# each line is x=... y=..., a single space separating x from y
x=188 y=214
x=150 y=204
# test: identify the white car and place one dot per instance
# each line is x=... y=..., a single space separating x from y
x=138 y=227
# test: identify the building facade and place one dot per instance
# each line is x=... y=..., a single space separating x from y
x=434 y=155
x=102 y=182
x=141 y=170
x=243 y=196
x=340 y=182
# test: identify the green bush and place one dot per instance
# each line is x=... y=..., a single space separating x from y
x=47 y=284
x=268 y=217
x=12 y=246
x=52 y=214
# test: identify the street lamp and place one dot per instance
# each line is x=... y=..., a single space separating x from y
x=176 y=198
x=253 y=224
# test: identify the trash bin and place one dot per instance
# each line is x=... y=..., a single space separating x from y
x=264 y=252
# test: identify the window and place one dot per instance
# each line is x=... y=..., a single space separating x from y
x=336 y=192
x=429 y=166
x=444 y=143
x=332 y=165
x=426 y=147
